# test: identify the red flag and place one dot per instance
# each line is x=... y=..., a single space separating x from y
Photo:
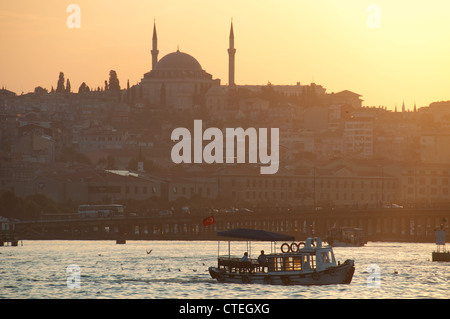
x=208 y=221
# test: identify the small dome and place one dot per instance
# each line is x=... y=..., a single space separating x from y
x=178 y=61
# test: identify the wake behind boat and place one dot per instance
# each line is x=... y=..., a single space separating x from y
x=308 y=263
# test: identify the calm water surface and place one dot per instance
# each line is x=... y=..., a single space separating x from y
x=178 y=269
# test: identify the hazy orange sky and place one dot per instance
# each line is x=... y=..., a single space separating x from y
x=329 y=41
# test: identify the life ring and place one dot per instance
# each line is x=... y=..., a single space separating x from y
x=315 y=276
x=288 y=248
x=245 y=279
x=301 y=243
x=268 y=280
x=294 y=248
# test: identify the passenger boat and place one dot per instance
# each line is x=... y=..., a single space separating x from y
x=308 y=263
x=346 y=237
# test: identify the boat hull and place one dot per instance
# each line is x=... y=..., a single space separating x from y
x=341 y=274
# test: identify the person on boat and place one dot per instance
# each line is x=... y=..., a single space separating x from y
x=262 y=260
x=246 y=263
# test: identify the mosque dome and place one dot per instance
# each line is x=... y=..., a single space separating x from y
x=178 y=61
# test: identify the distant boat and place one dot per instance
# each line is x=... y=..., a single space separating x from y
x=346 y=237
x=441 y=253
x=308 y=263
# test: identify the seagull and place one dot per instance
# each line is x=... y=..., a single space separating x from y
x=149 y=251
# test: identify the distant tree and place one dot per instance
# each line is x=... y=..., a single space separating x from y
x=106 y=85
x=128 y=92
x=68 y=88
x=40 y=90
x=114 y=86
x=60 y=87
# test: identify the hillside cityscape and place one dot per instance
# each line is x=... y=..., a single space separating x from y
x=96 y=144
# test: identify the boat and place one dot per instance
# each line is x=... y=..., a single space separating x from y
x=441 y=253
x=346 y=237
x=302 y=263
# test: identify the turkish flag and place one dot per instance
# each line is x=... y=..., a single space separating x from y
x=208 y=221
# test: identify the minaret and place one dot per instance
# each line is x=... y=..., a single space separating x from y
x=231 y=53
x=155 y=47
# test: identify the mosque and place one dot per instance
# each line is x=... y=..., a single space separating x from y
x=178 y=81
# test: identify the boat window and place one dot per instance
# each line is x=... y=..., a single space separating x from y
x=325 y=256
x=285 y=263
x=297 y=263
x=312 y=261
x=276 y=264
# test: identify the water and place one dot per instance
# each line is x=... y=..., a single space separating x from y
x=178 y=270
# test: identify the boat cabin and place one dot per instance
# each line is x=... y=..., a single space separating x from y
x=313 y=256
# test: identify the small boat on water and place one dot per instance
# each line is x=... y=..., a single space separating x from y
x=304 y=263
x=346 y=237
x=441 y=253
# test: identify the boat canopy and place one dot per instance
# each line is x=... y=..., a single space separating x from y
x=254 y=234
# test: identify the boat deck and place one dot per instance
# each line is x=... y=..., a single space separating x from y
x=233 y=264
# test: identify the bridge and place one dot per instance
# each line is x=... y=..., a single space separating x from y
x=401 y=225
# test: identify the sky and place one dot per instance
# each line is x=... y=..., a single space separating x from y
x=390 y=52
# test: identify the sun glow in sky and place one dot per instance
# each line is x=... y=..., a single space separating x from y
x=329 y=42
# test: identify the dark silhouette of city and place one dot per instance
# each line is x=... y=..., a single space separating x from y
x=110 y=143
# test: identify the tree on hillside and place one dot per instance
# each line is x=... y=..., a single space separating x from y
x=68 y=88
x=40 y=90
x=60 y=86
x=114 y=86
